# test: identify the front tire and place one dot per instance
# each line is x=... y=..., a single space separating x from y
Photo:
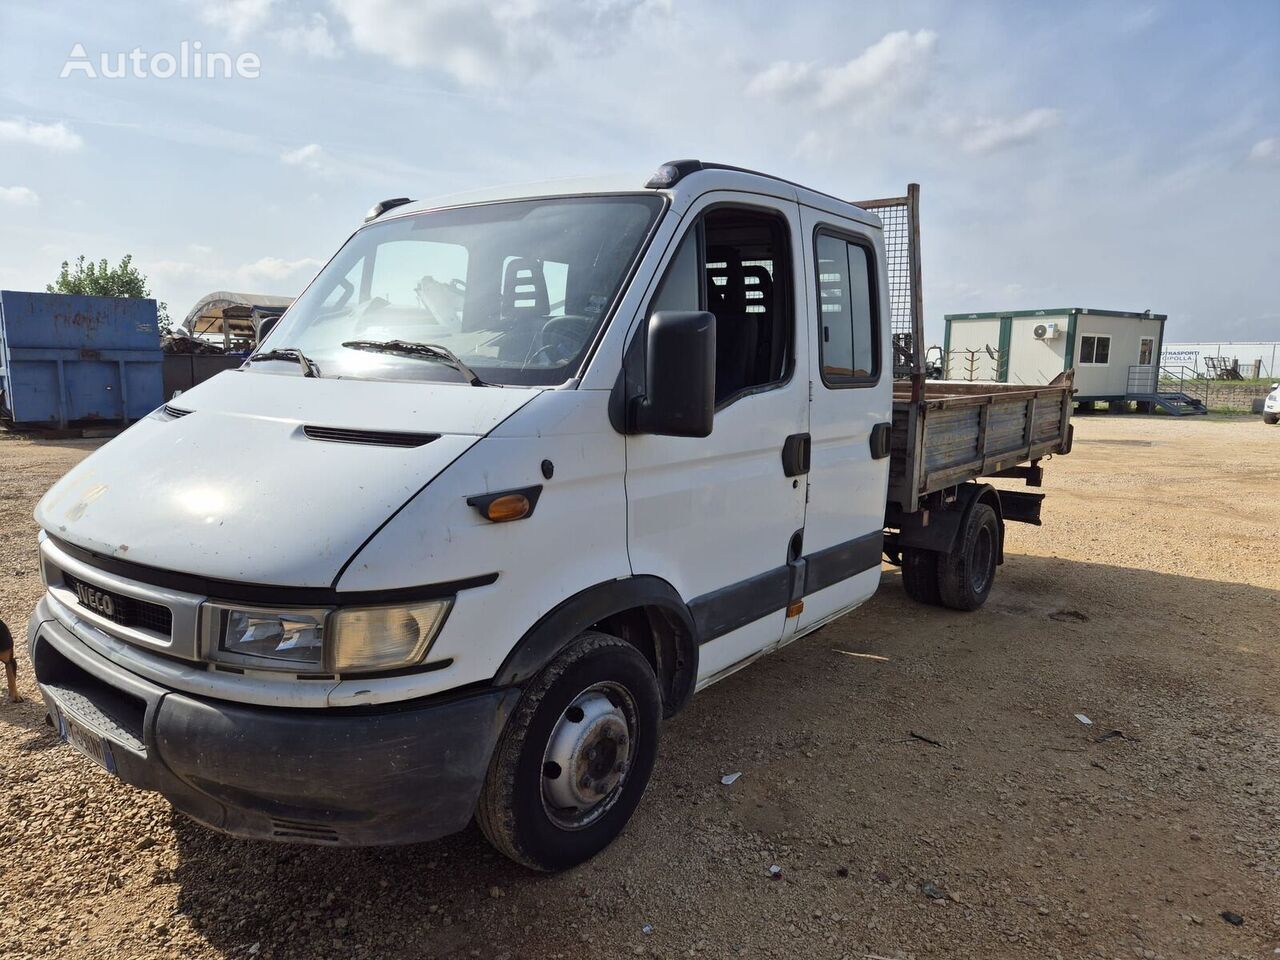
x=575 y=757
x=1271 y=417
x=965 y=575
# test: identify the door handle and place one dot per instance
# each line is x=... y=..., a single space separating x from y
x=880 y=435
x=795 y=455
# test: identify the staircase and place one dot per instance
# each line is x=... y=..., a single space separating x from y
x=1163 y=388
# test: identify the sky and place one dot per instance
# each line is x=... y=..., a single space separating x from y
x=1108 y=155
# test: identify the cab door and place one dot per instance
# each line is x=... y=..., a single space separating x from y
x=719 y=517
x=850 y=354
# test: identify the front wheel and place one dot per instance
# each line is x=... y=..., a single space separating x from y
x=575 y=757
x=1271 y=417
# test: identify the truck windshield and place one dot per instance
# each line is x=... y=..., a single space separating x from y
x=515 y=290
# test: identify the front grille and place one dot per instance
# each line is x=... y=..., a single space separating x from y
x=126 y=611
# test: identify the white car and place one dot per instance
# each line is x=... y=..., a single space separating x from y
x=1271 y=406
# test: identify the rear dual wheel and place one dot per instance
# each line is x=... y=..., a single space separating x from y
x=961 y=579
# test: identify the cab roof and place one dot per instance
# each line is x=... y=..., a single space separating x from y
x=682 y=181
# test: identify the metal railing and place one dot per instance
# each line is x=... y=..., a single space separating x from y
x=982 y=363
x=1143 y=379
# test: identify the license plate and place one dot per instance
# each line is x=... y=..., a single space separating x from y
x=87 y=742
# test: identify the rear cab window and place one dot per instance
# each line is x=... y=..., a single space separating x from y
x=848 y=317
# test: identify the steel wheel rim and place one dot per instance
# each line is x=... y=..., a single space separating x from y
x=589 y=756
x=983 y=554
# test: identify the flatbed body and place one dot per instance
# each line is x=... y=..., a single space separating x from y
x=959 y=431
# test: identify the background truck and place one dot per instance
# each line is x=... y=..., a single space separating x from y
x=426 y=558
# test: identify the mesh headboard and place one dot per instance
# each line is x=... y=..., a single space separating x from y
x=901 y=219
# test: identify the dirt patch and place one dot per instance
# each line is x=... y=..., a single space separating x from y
x=1148 y=602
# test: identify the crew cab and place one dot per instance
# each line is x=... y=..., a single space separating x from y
x=516 y=476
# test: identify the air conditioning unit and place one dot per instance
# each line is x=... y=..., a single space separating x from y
x=1047 y=331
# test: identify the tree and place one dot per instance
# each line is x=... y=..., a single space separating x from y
x=100 y=279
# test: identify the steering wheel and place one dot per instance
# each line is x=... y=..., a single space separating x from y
x=565 y=335
x=362 y=312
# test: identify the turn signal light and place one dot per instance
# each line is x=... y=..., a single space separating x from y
x=512 y=506
x=503 y=506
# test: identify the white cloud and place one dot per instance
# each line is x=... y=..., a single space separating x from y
x=311 y=157
x=894 y=64
x=483 y=44
x=1138 y=19
x=19 y=196
x=989 y=134
x=782 y=80
x=273 y=270
x=311 y=36
x=239 y=18
x=267 y=275
x=891 y=70
x=51 y=136
x=1266 y=151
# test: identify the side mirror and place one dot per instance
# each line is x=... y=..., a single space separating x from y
x=680 y=376
x=1275 y=386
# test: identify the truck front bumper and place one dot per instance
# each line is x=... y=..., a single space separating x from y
x=398 y=773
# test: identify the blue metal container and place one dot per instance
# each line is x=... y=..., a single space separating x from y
x=65 y=358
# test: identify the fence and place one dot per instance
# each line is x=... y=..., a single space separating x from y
x=983 y=363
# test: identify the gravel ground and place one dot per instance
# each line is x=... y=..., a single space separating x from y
x=1148 y=601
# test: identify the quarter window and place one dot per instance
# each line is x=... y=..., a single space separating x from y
x=847 y=330
x=1095 y=349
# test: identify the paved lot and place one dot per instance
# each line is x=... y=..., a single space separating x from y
x=1149 y=601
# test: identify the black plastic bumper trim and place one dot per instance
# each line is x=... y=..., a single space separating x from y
x=399 y=773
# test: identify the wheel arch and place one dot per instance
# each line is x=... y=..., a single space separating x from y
x=645 y=611
x=986 y=493
x=944 y=526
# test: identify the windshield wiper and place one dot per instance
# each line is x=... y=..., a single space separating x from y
x=427 y=351
x=309 y=368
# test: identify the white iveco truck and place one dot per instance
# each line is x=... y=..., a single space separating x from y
x=514 y=478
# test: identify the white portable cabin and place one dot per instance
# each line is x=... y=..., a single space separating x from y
x=1116 y=355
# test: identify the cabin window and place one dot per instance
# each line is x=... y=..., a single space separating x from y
x=1095 y=349
x=847 y=332
x=1146 y=346
x=736 y=263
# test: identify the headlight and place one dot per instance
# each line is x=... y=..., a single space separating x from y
x=383 y=638
x=322 y=640
x=295 y=636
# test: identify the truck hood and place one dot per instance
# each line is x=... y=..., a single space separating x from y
x=266 y=478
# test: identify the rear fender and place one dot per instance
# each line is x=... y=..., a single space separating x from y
x=938 y=530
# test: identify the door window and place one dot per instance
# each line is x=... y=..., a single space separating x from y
x=744 y=280
x=848 y=335
x=1145 y=347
